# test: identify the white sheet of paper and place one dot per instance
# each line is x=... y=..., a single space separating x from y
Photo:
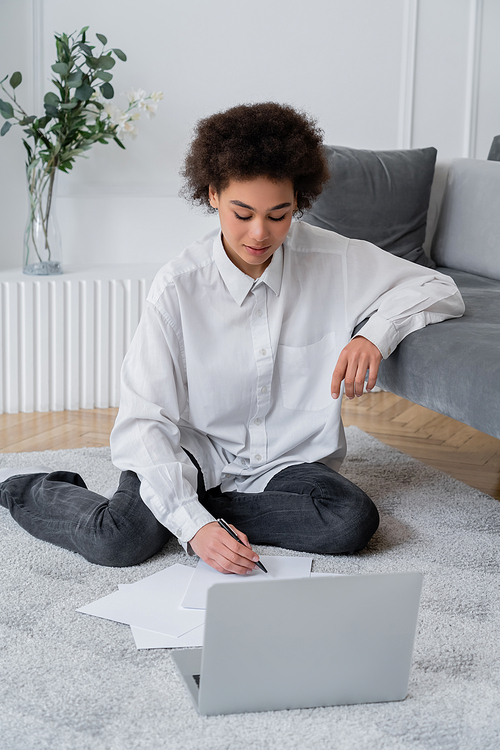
x=157 y=581
x=149 y=639
x=278 y=567
x=152 y=606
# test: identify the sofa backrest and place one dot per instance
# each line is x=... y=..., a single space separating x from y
x=467 y=236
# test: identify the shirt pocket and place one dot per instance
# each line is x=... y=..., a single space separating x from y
x=305 y=374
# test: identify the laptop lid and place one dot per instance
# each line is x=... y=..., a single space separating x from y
x=307 y=642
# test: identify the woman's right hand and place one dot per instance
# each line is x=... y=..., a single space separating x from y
x=219 y=550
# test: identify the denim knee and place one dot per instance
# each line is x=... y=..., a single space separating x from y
x=125 y=545
x=114 y=554
x=349 y=531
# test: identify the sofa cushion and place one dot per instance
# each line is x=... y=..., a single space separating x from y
x=379 y=196
x=453 y=367
x=468 y=232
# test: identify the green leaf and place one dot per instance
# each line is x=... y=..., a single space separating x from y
x=42 y=122
x=74 y=80
x=62 y=48
x=92 y=62
x=60 y=68
x=5 y=129
x=102 y=38
x=106 y=62
x=84 y=92
x=104 y=76
x=16 y=79
x=51 y=110
x=51 y=98
x=27 y=120
x=108 y=91
x=60 y=87
x=85 y=48
x=28 y=149
x=69 y=105
x=6 y=109
x=117 y=140
x=84 y=30
x=122 y=56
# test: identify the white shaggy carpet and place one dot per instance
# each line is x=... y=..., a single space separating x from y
x=72 y=682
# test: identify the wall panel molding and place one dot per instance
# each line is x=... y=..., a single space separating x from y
x=407 y=81
x=37 y=14
x=473 y=74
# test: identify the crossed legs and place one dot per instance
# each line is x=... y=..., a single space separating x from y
x=307 y=507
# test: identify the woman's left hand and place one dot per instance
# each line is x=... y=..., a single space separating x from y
x=356 y=359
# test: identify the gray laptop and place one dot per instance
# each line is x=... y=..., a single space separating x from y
x=302 y=643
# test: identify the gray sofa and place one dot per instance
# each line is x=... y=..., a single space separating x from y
x=454 y=367
x=451 y=367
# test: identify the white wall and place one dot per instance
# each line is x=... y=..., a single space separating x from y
x=376 y=74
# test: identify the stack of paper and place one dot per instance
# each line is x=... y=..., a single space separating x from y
x=167 y=609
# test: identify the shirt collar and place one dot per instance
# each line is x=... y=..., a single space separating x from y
x=237 y=282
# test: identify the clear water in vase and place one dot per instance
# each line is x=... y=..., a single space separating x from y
x=42 y=238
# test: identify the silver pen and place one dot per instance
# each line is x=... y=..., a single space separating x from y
x=224 y=525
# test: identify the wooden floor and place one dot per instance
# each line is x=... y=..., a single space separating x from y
x=450 y=446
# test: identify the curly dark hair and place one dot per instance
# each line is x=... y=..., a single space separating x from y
x=255 y=140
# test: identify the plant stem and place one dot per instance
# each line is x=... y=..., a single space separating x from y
x=40 y=185
x=45 y=219
x=39 y=133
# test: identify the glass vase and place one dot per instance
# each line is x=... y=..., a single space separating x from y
x=42 y=238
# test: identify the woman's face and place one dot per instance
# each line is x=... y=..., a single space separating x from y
x=255 y=216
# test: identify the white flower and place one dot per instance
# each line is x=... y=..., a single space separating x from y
x=150 y=109
x=113 y=113
x=136 y=97
x=126 y=127
x=138 y=101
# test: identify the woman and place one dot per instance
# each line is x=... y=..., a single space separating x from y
x=230 y=389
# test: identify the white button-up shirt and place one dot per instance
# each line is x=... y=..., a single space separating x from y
x=238 y=370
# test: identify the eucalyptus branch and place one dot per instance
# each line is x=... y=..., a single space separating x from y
x=25 y=117
x=78 y=114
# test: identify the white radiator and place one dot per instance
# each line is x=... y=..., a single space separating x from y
x=63 y=338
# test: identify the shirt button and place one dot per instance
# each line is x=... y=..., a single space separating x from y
x=259 y=313
x=257 y=421
x=263 y=352
x=263 y=389
x=258 y=457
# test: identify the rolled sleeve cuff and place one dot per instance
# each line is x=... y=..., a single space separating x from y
x=186 y=522
x=381 y=332
x=183 y=521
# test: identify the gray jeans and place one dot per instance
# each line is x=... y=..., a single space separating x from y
x=307 y=507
